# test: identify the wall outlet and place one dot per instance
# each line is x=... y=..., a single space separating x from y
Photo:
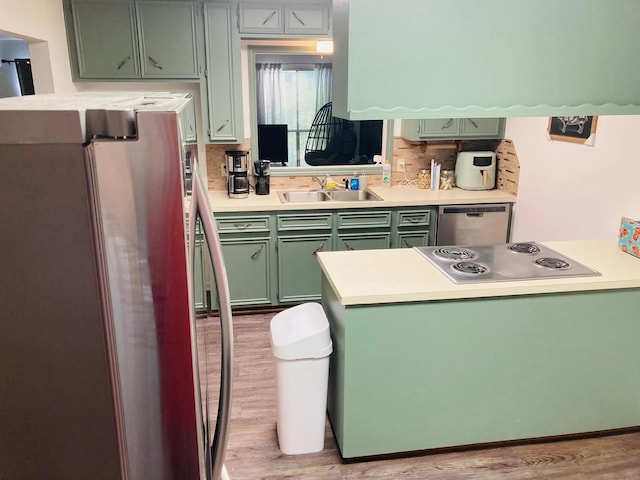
x=400 y=164
x=222 y=170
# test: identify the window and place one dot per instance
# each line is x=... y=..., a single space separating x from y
x=290 y=89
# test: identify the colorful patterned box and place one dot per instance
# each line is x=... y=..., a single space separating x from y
x=629 y=240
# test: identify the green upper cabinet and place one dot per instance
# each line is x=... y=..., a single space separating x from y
x=418 y=59
x=223 y=74
x=260 y=18
x=106 y=39
x=168 y=39
x=297 y=19
x=452 y=128
x=126 y=39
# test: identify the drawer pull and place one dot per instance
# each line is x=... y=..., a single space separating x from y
x=266 y=20
x=447 y=124
x=414 y=219
x=257 y=252
x=221 y=127
x=241 y=226
x=349 y=247
x=297 y=17
x=319 y=249
x=475 y=125
x=154 y=63
x=404 y=240
x=123 y=62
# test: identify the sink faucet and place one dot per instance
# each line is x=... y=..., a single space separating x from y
x=321 y=181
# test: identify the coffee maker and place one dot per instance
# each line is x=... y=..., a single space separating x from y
x=237 y=168
x=261 y=173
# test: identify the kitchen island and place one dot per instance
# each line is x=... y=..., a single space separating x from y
x=420 y=362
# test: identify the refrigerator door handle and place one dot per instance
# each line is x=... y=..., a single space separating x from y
x=203 y=209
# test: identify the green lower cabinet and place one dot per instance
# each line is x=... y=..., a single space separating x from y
x=412 y=239
x=299 y=273
x=248 y=262
x=413 y=227
x=364 y=241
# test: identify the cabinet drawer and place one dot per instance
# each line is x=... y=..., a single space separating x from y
x=364 y=219
x=243 y=224
x=413 y=218
x=364 y=241
x=310 y=221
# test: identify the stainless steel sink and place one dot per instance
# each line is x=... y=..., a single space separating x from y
x=303 y=196
x=314 y=196
x=353 y=195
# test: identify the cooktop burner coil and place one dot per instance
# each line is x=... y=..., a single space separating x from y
x=552 y=263
x=454 y=253
x=524 y=247
x=469 y=268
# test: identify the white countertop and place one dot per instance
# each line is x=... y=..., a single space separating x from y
x=391 y=197
x=403 y=275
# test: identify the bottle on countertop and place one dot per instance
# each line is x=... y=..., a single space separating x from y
x=354 y=182
x=386 y=174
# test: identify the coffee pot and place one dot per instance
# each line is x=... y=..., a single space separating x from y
x=261 y=173
x=237 y=169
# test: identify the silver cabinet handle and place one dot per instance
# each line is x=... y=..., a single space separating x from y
x=319 y=249
x=472 y=122
x=154 y=63
x=257 y=252
x=447 y=124
x=269 y=17
x=219 y=129
x=295 y=15
x=241 y=226
x=123 y=62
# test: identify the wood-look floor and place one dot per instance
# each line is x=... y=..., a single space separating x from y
x=253 y=446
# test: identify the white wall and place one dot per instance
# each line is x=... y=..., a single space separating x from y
x=571 y=191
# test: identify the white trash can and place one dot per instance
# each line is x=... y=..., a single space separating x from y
x=301 y=343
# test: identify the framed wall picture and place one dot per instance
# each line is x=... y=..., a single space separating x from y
x=576 y=129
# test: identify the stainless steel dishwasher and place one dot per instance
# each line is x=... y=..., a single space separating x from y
x=485 y=224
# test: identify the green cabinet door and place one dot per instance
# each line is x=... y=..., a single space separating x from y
x=481 y=127
x=106 y=39
x=168 y=46
x=248 y=265
x=299 y=274
x=224 y=82
x=452 y=128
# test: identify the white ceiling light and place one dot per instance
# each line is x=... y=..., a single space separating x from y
x=324 y=46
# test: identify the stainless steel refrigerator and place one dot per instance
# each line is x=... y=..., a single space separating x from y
x=99 y=356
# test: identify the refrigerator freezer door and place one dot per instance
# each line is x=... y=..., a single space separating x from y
x=138 y=192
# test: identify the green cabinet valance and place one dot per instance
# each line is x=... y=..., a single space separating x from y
x=485 y=58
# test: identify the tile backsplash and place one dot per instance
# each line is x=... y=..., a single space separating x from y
x=416 y=156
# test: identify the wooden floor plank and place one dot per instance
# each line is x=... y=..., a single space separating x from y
x=253 y=451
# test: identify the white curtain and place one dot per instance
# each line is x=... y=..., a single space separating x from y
x=323 y=82
x=269 y=93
